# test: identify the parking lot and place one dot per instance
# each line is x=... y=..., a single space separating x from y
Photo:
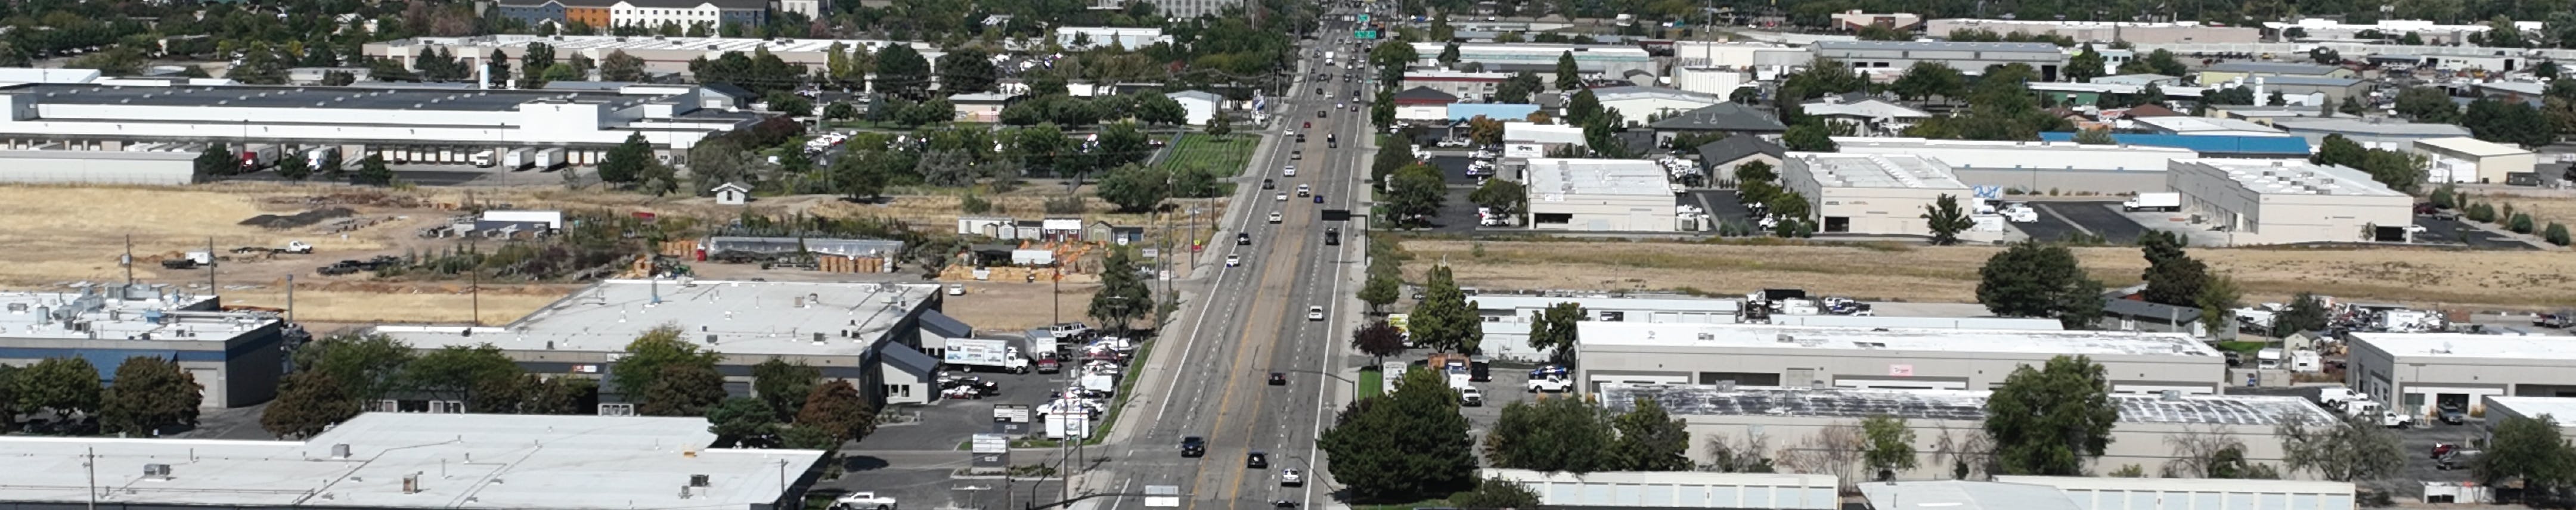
x=914 y=461
x=2454 y=232
x=1721 y=205
x=1457 y=214
x=2063 y=220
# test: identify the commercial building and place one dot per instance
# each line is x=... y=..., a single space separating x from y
x=866 y=333
x=2104 y=31
x=360 y=120
x=1739 y=54
x=2223 y=72
x=1867 y=117
x=2278 y=201
x=1676 y=489
x=1637 y=103
x=2204 y=126
x=1462 y=112
x=661 y=55
x=1791 y=418
x=51 y=164
x=1475 y=86
x=1715 y=81
x=2037 y=166
x=1198 y=105
x=1600 y=195
x=2116 y=493
x=2372 y=133
x=1422 y=104
x=2215 y=146
x=1193 y=9
x=1507 y=316
x=2420 y=372
x=1854 y=20
x=2329 y=87
x=1881 y=357
x=1879 y=194
x=1132 y=38
x=2462 y=159
x=1967 y=57
x=2559 y=411
x=418 y=462
x=2430 y=32
x=1719 y=158
x=236 y=356
x=1614 y=61
x=648 y=14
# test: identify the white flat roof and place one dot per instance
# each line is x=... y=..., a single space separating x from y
x=2472 y=146
x=1878 y=170
x=1597 y=334
x=710 y=45
x=1677 y=304
x=1963 y=405
x=470 y=461
x=2204 y=125
x=1552 y=176
x=2109 y=483
x=1541 y=133
x=2466 y=345
x=1977 y=154
x=115 y=312
x=745 y=317
x=2295 y=177
x=2561 y=410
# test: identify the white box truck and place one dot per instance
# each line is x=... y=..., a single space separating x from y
x=548 y=159
x=483 y=159
x=516 y=159
x=320 y=157
x=978 y=354
x=2159 y=201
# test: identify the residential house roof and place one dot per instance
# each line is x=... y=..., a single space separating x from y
x=1424 y=96
x=1736 y=147
x=1722 y=117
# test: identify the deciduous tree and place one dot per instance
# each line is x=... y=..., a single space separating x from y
x=1445 y=320
x=1378 y=291
x=836 y=408
x=368 y=365
x=2032 y=279
x=681 y=389
x=649 y=359
x=1891 y=445
x=902 y=72
x=1136 y=188
x=307 y=403
x=1505 y=197
x=2354 y=450
x=619 y=66
x=1650 y=439
x=742 y=421
x=2305 y=313
x=1406 y=446
x=1378 y=339
x=1495 y=493
x=1123 y=297
x=1558 y=434
x=452 y=372
x=783 y=385
x=151 y=395
x=2172 y=276
x=1553 y=330
x=1418 y=192
x=2047 y=421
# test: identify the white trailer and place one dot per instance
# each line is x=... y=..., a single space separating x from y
x=978 y=354
x=518 y=158
x=2166 y=201
x=483 y=159
x=548 y=159
x=319 y=157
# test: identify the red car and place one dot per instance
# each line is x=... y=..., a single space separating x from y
x=1310 y=125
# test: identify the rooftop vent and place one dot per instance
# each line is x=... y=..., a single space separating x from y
x=698 y=481
x=340 y=451
x=161 y=471
x=411 y=483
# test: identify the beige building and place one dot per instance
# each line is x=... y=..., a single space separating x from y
x=2465 y=159
x=2419 y=372
x=1600 y=195
x=2561 y=411
x=1881 y=357
x=1788 y=422
x=2273 y=201
x=1882 y=194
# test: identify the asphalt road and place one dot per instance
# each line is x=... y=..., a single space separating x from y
x=1248 y=322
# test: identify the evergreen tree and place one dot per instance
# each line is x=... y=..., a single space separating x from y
x=1123 y=297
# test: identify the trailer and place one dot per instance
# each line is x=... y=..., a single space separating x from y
x=548 y=159
x=517 y=159
x=2158 y=201
x=979 y=354
x=483 y=159
x=257 y=156
x=320 y=158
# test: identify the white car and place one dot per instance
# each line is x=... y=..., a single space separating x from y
x=1471 y=397
x=1290 y=171
x=1283 y=196
x=956 y=289
x=1274 y=217
x=1233 y=261
x=1314 y=313
x=1290 y=477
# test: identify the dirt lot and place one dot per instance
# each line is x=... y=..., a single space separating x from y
x=1015 y=307
x=60 y=234
x=2443 y=278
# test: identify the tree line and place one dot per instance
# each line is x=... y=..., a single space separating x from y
x=336 y=377
x=64 y=396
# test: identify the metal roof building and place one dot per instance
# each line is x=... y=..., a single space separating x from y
x=2213 y=146
x=2419 y=372
x=1881 y=356
x=2374 y=133
x=2114 y=493
x=1967 y=57
x=399 y=461
x=1600 y=195
x=2464 y=159
x=1676 y=489
x=1870 y=193
x=2037 y=166
x=844 y=329
x=1942 y=419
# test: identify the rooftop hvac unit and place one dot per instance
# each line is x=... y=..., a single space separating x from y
x=2172 y=395
x=711 y=339
x=156 y=470
x=340 y=451
x=698 y=480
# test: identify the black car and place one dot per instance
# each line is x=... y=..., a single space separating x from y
x=1267 y=184
x=1256 y=460
x=1319 y=114
x=1242 y=239
x=1333 y=237
x=1278 y=379
x=1193 y=446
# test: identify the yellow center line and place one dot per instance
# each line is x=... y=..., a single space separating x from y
x=1271 y=277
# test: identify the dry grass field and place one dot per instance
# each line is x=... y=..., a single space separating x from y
x=2544 y=208
x=2428 y=277
x=1015 y=307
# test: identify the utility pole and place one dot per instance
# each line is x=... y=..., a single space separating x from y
x=90 y=460
x=128 y=260
x=210 y=265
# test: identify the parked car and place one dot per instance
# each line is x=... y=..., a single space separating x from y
x=2452 y=414
x=1471 y=397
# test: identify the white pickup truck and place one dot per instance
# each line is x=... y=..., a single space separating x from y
x=863 y=501
x=1550 y=385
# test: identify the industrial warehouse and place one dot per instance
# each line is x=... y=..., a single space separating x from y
x=869 y=334
x=237 y=356
x=1870 y=193
x=1881 y=357
x=414 y=461
x=661 y=55
x=2418 y=373
x=1600 y=195
x=2275 y=201
x=2037 y=166
x=51 y=123
x=1943 y=421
